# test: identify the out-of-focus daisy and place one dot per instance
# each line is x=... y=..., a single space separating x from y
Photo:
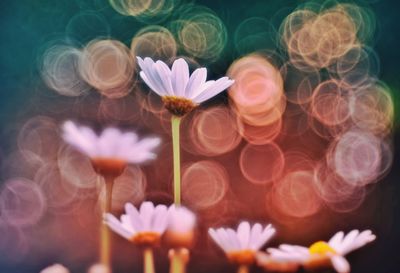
x=323 y=254
x=241 y=246
x=56 y=268
x=180 y=236
x=180 y=91
x=181 y=227
x=109 y=152
x=143 y=227
x=112 y=150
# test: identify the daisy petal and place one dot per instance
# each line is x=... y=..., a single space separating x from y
x=219 y=86
x=347 y=242
x=243 y=234
x=340 y=264
x=197 y=79
x=165 y=76
x=116 y=226
x=146 y=213
x=179 y=77
x=134 y=216
x=160 y=219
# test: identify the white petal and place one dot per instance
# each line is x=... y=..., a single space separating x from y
x=336 y=240
x=125 y=141
x=219 y=86
x=233 y=239
x=179 y=77
x=142 y=150
x=165 y=76
x=197 y=79
x=265 y=236
x=81 y=140
x=151 y=73
x=116 y=226
x=108 y=142
x=340 y=264
x=225 y=239
x=153 y=86
x=294 y=255
x=160 y=219
x=361 y=240
x=134 y=217
x=213 y=234
x=255 y=235
x=347 y=242
x=243 y=234
x=126 y=223
x=146 y=214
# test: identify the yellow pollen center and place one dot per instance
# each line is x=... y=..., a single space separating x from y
x=321 y=248
x=242 y=257
x=108 y=167
x=147 y=238
x=178 y=106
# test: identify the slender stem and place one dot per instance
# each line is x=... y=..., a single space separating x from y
x=148 y=261
x=243 y=269
x=105 y=240
x=179 y=259
x=175 y=124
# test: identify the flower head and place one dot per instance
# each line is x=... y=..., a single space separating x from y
x=181 y=227
x=180 y=92
x=241 y=245
x=144 y=226
x=112 y=150
x=56 y=268
x=321 y=254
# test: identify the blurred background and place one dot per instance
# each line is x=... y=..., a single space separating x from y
x=305 y=139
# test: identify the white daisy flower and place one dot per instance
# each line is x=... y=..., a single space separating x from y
x=241 y=246
x=144 y=226
x=180 y=92
x=56 y=268
x=322 y=253
x=181 y=227
x=112 y=150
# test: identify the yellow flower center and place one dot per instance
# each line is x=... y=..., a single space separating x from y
x=242 y=257
x=147 y=238
x=321 y=248
x=108 y=167
x=178 y=106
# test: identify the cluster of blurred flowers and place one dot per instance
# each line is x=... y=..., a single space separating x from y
x=147 y=226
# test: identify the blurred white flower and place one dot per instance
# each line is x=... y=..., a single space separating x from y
x=112 y=150
x=241 y=245
x=179 y=91
x=322 y=254
x=56 y=268
x=181 y=227
x=181 y=219
x=144 y=226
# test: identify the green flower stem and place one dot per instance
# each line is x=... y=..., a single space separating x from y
x=105 y=240
x=178 y=262
x=148 y=261
x=175 y=124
